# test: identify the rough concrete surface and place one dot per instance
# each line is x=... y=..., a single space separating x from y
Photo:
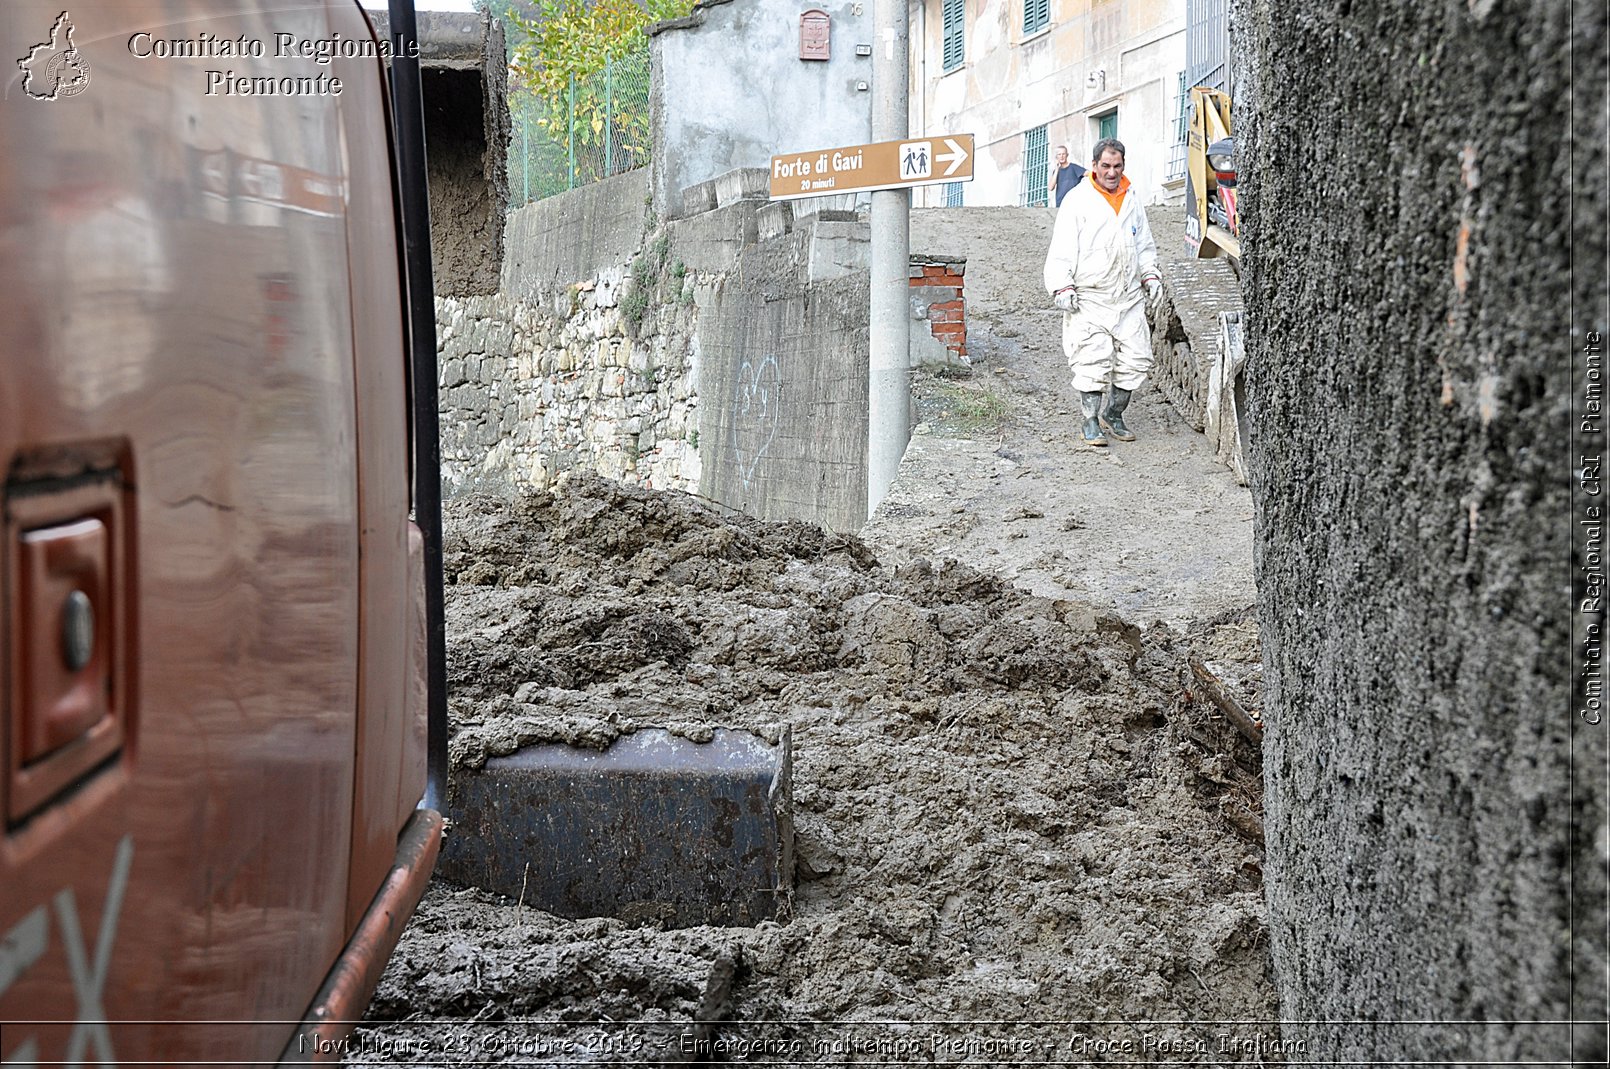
x=570 y=237
x=783 y=394
x=464 y=82
x=1016 y=828
x=1411 y=197
x=466 y=211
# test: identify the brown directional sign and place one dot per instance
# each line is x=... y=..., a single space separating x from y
x=916 y=161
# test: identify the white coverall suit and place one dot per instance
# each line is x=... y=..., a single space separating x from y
x=1103 y=255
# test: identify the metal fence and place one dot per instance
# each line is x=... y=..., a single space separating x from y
x=598 y=128
x=1207 y=44
x=1036 y=169
x=1182 y=129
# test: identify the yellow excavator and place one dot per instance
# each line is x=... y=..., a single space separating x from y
x=1211 y=224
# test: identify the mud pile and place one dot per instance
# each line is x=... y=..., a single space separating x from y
x=1010 y=813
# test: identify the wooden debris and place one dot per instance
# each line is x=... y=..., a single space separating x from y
x=1245 y=723
x=697 y=1045
x=1246 y=823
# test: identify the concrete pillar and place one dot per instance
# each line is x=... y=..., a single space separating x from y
x=1424 y=235
x=889 y=379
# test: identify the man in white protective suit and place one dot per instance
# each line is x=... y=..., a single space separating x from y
x=1102 y=272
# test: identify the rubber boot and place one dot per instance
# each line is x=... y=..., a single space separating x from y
x=1089 y=406
x=1113 y=418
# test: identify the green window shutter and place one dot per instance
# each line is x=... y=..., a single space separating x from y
x=1108 y=125
x=1036 y=168
x=955 y=33
x=1036 y=13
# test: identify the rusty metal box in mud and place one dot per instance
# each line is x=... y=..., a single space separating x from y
x=656 y=829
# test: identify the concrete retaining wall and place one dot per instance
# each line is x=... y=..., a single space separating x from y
x=784 y=389
x=1434 y=799
x=698 y=356
x=782 y=343
x=565 y=240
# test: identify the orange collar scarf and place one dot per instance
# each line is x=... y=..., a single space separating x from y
x=1115 y=199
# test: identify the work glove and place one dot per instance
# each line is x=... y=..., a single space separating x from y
x=1154 y=292
x=1067 y=299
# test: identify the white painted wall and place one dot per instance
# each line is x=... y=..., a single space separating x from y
x=1095 y=55
x=730 y=89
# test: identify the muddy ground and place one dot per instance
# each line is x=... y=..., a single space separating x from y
x=1022 y=833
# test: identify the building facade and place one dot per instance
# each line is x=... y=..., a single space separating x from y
x=1024 y=76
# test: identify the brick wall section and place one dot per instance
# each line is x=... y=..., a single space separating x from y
x=937 y=295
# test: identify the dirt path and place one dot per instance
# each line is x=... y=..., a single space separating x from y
x=1156 y=528
x=1015 y=827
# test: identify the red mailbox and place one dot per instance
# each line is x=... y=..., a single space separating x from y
x=813 y=34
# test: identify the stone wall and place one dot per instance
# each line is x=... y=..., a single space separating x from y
x=1185 y=332
x=578 y=361
x=1424 y=224
x=711 y=354
x=1199 y=366
x=531 y=390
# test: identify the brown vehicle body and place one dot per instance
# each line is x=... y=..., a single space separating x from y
x=210 y=778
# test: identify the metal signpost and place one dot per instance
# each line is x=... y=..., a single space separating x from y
x=887 y=169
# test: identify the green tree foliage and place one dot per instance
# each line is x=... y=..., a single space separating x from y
x=582 y=66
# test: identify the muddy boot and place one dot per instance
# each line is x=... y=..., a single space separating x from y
x=1090 y=405
x=1113 y=418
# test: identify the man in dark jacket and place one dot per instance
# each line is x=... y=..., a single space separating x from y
x=1065 y=177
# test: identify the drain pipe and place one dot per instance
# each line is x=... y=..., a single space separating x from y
x=408 y=118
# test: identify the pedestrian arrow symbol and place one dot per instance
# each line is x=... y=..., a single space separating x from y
x=916 y=159
x=957 y=155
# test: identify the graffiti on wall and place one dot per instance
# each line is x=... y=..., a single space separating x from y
x=756 y=412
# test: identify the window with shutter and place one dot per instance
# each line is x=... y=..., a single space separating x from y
x=1036 y=13
x=955 y=32
x=1036 y=168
